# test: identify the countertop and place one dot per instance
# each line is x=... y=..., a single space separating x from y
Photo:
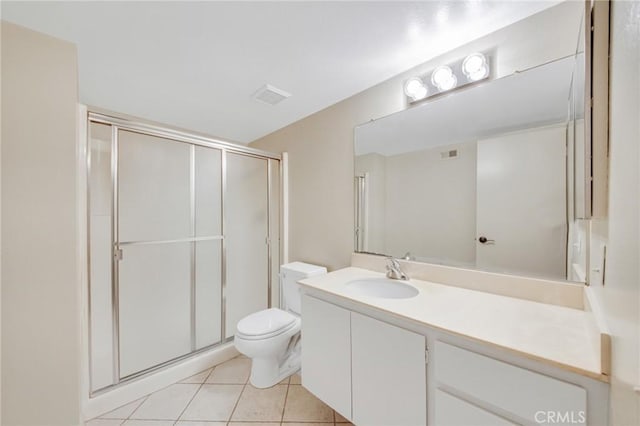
x=553 y=334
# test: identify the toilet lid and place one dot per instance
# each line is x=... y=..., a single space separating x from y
x=265 y=322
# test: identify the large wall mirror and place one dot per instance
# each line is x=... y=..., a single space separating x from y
x=491 y=177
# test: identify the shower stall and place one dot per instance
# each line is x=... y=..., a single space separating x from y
x=183 y=241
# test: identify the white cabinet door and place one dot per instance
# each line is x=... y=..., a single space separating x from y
x=326 y=353
x=388 y=373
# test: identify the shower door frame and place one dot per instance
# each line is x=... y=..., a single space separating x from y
x=138 y=126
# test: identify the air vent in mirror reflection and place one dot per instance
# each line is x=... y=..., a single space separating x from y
x=446 y=155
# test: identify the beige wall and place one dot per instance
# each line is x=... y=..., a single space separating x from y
x=620 y=295
x=320 y=146
x=40 y=289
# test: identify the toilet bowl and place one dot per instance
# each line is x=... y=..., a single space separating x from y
x=271 y=337
x=266 y=337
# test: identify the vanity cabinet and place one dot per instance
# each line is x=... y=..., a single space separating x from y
x=377 y=374
x=369 y=371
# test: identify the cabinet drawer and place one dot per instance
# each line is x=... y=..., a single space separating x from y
x=452 y=411
x=497 y=385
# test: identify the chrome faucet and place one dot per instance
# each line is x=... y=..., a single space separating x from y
x=394 y=271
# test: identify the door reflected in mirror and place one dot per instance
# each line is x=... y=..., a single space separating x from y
x=483 y=178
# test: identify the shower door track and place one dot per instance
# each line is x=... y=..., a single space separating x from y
x=159 y=367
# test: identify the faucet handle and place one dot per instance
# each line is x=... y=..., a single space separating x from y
x=392 y=263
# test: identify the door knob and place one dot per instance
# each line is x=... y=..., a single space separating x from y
x=485 y=240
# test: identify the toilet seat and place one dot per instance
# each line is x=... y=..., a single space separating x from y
x=265 y=324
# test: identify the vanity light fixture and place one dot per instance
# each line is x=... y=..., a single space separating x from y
x=443 y=78
x=415 y=89
x=475 y=67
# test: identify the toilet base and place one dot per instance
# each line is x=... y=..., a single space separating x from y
x=261 y=380
x=267 y=372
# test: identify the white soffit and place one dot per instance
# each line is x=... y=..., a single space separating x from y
x=196 y=65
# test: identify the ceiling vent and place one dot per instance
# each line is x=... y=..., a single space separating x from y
x=270 y=95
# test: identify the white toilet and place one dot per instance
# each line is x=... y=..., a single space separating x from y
x=271 y=338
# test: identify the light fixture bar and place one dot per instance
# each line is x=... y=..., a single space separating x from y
x=472 y=69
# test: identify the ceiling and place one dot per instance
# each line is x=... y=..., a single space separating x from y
x=196 y=65
x=486 y=110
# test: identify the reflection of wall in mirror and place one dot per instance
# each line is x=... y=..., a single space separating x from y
x=424 y=203
x=433 y=199
x=577 y=250
x=521 y=202
x=576 y=201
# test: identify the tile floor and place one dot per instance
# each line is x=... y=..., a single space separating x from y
x=222 y=396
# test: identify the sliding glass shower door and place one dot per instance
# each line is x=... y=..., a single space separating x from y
x=246 y=231
x=183 y=242
x=169 y=233
x=207 y=292
x=153 y=250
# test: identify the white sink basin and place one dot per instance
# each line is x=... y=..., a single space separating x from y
x=383 y=288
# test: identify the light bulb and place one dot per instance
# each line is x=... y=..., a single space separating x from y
x=480 y=74
x=415 y=89
x=475 y=67
x=443 y=78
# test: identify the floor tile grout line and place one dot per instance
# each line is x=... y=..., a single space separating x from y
x=159 y=390
x=210 y=373
x=100 y=417
x=182 y=382
x=190 y=401
x=230 y=421
x=286 y=396
x=144 y=398
x=237 y=401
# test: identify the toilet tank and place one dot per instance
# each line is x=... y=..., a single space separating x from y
x=290 y=274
